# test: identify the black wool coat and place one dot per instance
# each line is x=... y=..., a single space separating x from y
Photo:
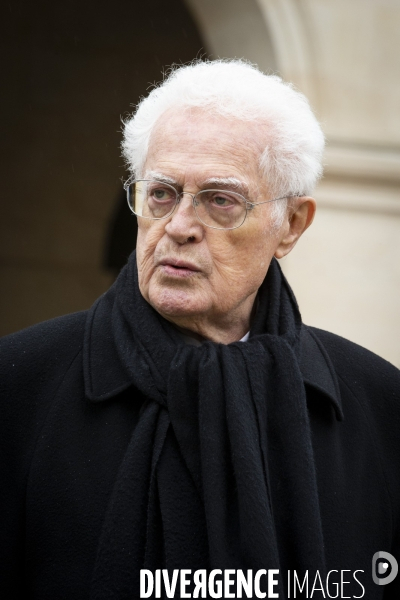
x=65 y=429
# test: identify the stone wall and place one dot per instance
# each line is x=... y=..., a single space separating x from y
x=344 y=56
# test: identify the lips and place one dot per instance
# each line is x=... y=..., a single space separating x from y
x=176 y=267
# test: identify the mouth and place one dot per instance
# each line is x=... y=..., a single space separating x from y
x=178 y=268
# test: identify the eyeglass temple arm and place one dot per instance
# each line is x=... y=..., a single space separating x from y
x=273 y=200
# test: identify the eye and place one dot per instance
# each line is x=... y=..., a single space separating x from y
x=222 y=201
x=161 y=194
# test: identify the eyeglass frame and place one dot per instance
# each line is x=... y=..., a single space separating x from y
x=248 y=205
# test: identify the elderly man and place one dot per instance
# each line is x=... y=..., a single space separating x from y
x=188 y=436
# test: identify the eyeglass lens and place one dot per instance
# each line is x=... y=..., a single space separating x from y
x=220 y=209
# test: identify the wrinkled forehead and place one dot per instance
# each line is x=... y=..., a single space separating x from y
x=197 y=123
x=207 y=145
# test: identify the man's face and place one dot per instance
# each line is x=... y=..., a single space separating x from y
x=192 y=275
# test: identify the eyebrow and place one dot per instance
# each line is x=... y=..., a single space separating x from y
x=160 y=177
x=230 y=182
x=220 y=182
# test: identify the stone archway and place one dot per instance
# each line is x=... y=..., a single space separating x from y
x=235 y=29
x=346 y=60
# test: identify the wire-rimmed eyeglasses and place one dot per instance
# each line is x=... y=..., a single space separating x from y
x=215 y=208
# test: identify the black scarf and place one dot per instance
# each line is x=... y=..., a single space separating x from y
x=219 y=472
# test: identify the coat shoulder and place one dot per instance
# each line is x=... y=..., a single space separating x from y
x=370 y=391
x=33 y=364
x=41 y=349
x=369 y=388
x=357 y=366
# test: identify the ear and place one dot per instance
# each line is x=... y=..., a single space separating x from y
x=300 y=214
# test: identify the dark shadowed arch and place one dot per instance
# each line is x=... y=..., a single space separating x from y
x=71 y=70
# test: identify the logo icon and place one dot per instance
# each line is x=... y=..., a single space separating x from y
x=384 y=563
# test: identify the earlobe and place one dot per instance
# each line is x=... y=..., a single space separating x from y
x=299 y=217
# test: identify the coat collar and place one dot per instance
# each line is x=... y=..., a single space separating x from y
x=105 y=376
x=318 y=371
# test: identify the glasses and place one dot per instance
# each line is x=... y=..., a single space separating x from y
x=218 y=209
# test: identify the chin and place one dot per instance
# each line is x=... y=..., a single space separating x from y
x=177 y=303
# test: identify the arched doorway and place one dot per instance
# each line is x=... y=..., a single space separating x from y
x=75 y=69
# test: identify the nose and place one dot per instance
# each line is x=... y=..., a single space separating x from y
x=180 y=196
x=184 y=225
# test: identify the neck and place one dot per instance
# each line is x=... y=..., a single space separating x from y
x=223 y=330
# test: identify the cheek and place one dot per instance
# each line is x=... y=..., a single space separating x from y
x=243 y=263
x=149 y=235
x=244 y=255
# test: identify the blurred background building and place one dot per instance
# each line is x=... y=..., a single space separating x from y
x=71 y=70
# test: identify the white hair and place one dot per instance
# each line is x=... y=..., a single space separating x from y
x=291 y=160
